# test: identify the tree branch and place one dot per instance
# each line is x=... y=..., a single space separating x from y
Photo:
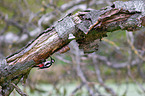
x=88 y=27
x=19 y=90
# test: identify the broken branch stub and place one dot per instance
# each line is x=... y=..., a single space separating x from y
x=96 y=23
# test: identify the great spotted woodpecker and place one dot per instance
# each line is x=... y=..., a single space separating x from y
x=46 y=64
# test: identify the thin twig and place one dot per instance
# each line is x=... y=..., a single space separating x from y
x=113 y=64
x=77 y=88
x=62 y=59
x=130 y=42
x=98 y=73
x=78 y=67
x=19 y=90
x=130 y=74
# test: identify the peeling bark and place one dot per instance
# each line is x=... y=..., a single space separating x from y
x=88 y=27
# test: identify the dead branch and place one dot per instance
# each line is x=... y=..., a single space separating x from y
x=88 y=28
x=19 y=90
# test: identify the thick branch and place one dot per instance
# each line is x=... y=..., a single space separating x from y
x=88 y=28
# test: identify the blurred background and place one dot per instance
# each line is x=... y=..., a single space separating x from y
x=117 y=68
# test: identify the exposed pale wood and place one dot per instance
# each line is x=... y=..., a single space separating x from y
x=87 y=27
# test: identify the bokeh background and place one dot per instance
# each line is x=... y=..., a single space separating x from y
x=117 y=68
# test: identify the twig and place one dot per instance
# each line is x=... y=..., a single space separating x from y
x=80 y=73
x=112 y=43
x=19 y=90
x=114 y=65
x=130 y=42
x=77 y=88
x=62 y=59
x=140 y=71
x=126 y=89
x=98 y=73
x=130 y=74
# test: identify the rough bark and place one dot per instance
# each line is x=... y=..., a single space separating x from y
x=88 y=27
